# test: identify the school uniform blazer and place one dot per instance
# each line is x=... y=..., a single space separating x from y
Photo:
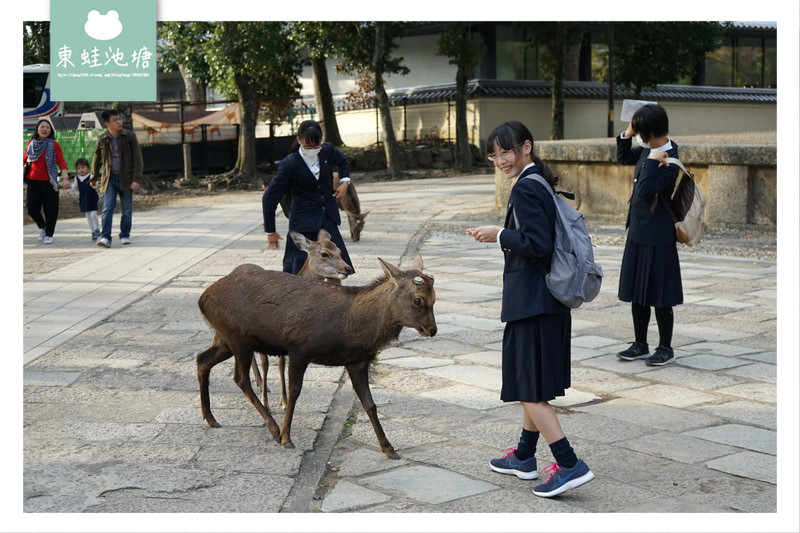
x=527 y=242
x=312 y=199
x=646 y=223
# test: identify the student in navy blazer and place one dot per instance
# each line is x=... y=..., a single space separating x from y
x=650 y=275
x=307 y=173
x=536 y=340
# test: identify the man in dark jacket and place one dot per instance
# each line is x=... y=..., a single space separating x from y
x=116 y=164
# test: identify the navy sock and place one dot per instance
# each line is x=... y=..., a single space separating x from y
x=564 y=454
x=527 y=444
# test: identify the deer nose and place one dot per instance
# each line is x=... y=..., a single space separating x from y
x=349 y=270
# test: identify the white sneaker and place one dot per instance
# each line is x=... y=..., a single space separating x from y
x=42 y=234
x=124 y=240
x=47 y=240
x=104 y=243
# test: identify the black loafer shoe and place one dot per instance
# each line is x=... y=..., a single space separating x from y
x=638 y=350
x=662 y=356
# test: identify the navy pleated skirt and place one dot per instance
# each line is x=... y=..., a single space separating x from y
x=650 y=275
x=536 y=358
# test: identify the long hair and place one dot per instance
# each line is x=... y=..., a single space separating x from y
x=509 y=136
x=36 y=130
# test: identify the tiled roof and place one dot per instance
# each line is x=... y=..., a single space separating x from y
x=481 y=88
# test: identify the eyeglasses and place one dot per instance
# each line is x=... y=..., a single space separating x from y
x=504 y=155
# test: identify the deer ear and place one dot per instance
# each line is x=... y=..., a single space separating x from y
x=390 y=270
x=417 y=263
x=300 y=240
x=323 y=235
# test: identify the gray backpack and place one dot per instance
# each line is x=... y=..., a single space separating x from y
x=574 y=277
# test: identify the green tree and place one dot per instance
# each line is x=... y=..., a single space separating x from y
x=465 y=49
x=322 y=40
x=180 y=47
x=35 y=42
x=257 y=64
x=555 y=38
x=649 y=53
x=369 y=48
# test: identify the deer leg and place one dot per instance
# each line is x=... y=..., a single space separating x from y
x=219 y=351
x=241 y=376
x=263 y=383
x=297 y=369
x=282 y=371
x=359 y=377
x=256 y=372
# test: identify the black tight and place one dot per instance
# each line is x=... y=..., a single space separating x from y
x=664 y=319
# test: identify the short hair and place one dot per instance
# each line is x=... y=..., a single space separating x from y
x=82 y=161
x=650 y=121
x=108 y=113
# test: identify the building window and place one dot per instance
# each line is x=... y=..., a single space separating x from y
x=743 y=62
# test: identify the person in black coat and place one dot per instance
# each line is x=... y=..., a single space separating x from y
x=650 y=275
x=307 y=174
x=536 y=340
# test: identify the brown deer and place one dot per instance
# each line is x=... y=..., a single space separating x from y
x=252 y=309
x=350 y=204
x=323 y=262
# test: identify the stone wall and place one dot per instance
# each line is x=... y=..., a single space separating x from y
x=736 y=173
x=411 y=157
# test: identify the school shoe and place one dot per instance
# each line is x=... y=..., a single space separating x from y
x=105 y=243
x=562 y=479
x=47 y=240
x=662 y=356
x=638 y=350
x=510 y=464
x=124 y=240
x=42 y=235
x=95 y=234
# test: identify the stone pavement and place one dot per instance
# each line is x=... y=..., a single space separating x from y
x=111 y=418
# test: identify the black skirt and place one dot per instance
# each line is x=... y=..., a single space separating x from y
x=650 y=275
x=536 y=358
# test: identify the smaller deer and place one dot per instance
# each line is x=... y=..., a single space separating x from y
x=351 y=205
x=323 y=262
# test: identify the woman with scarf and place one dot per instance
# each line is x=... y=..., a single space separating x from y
x=45 y=158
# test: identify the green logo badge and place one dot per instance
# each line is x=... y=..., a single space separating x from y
x=103 y=50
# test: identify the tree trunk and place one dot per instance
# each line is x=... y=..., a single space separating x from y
x=463 y=151
x=194 y=93
x=324 y=97
x=559 y=53
x=389 y=140
x=246 y=159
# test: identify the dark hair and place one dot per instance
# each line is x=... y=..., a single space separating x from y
x=108 y=113
x=650 y=121
x=36 y=130
x=82 y=161
x=309 y=131
x=509 y=136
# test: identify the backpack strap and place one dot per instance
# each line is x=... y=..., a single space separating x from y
x=677 y=162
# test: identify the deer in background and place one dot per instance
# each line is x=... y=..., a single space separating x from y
x=323 y=262
x=252 y=309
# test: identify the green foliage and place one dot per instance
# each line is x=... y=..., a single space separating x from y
x=357 y=51
x=649 y=53
x=255 y=59
x=545 y=35
x=181 y=43
x=463 y=48
x=321 y=39
x=35 y=42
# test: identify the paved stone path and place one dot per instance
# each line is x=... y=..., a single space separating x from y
x=111 y=419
